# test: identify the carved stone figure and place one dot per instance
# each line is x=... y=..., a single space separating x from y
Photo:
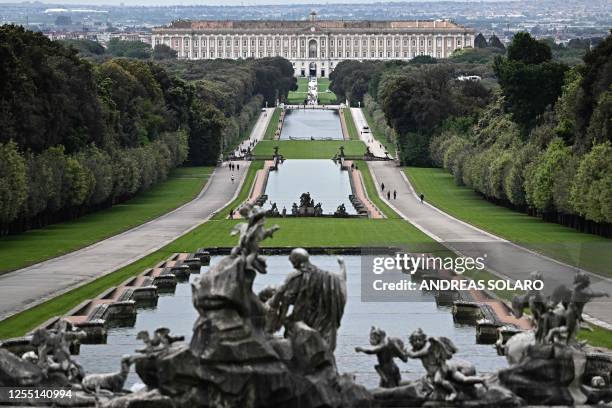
x=434 y=353
x=385 y=349
x=341 y=211
x=111 y=382
x=317 y=297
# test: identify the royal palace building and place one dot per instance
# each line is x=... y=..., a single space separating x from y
x=313 y=46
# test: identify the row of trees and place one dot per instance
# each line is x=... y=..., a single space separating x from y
x=79 y=135
x=534 y=134
x=548 y=155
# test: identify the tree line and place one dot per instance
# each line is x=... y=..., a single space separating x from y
x=534 y=134
x=79 y=135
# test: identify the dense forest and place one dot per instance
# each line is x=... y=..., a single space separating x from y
x=534 y=134
x=80 y=134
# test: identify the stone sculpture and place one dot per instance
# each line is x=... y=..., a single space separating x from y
x=317 y=298
x=435 y=353
x=111 y=382
x=551 y=354
x=385 y=349
x=341 y=211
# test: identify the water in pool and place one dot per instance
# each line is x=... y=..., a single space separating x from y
x=323 y=179
x=312 y=124
x=398 y=319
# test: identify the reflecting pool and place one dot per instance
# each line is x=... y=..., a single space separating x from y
x=323 y=179
x=312 y=124
x=398 y=319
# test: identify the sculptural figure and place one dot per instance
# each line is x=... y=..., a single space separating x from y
x=251 y=234
x=434 y=353
x=385 y=349
x=53 y=350
x=317 y=297
x=341 y=211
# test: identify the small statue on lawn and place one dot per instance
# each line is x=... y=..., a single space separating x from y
x=341 y=211
x=386 y=349
x=434 y=353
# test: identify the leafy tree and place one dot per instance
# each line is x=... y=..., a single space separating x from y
x=528 y=50
x=206 y=124
x=541 y=175
x=85 y=48
x=423 y=59
x=591 y=194
x=128 y=49
x=495 y=42
x=527 y=68
x=13 y=182
x=480 y=41
x=162 y=51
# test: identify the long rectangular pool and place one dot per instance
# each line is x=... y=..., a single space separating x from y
x=323 y=179
x=312 y=124
x=398 y=319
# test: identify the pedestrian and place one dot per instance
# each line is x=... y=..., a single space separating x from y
x=382 y=187
x=389 y=195
x=422 y=197
x=238 y=167
x=232 y=178
x=394 y=194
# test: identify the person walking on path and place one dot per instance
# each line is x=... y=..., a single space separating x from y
x=238 y=167
x=389 y=195
x=382 y=187
x=422 y=197
x=232 y=178
x=394 y=194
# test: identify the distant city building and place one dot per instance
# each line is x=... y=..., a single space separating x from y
x=313 y=46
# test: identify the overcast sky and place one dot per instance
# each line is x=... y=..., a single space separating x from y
x=209 y=2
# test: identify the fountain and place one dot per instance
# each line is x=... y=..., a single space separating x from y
x=276 y=348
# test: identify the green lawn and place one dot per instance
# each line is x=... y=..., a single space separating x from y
x=325 y=98
x=309 y=149
x=18 y=251
x=297 y=97
x=350 y=124
x=272 y=125
x=587 y=251
x=378 y=134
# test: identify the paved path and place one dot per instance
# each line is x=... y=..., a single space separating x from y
x=502 y=257
x=376 y=148
x=35 y=284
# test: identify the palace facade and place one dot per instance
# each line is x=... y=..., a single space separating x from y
x=313 y=46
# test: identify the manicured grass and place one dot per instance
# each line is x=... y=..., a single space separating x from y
x=272 y=125
x=297 y=97
x=587 y=251
x=309 y=149
x=18 y=251
x=350 y=124
x=325 y=98
x=378 y=134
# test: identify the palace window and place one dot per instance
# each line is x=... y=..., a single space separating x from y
x=458 y=42
x=413 y=43
x=176 y=43
x=228 y=43
x=236 y=43
x=429 y=43
x=421 y=43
